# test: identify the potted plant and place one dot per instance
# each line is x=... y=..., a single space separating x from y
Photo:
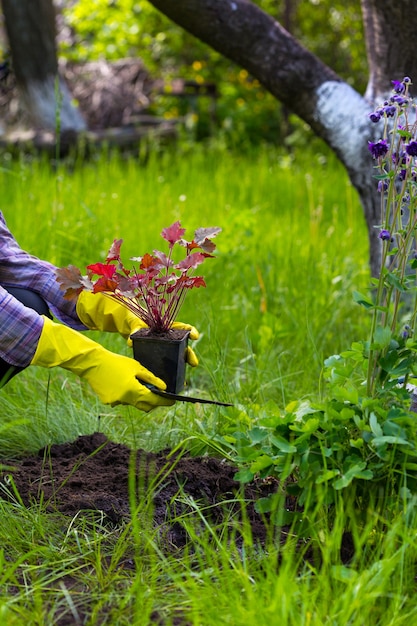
x=154 y=290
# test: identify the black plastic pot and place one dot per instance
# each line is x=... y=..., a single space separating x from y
x=163 y=354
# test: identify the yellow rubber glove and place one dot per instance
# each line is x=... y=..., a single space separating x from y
x=100 y=312
x=113 y=377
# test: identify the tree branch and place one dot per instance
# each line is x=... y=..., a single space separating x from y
x=245 y=34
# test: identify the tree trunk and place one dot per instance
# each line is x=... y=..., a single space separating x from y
x=30 y=27
x=390 y=29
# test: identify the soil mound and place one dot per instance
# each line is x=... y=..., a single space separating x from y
x=94 y=473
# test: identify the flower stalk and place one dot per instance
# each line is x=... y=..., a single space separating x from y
x=392 y=347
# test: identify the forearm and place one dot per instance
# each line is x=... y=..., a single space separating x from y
x=20 y=269
x=21 y=328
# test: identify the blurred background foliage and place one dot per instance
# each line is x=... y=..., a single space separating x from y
x=114 y=29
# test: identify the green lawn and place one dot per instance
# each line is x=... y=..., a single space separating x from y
x=278 y=301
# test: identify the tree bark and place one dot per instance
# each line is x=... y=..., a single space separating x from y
x=390 y=29
x=30 y=27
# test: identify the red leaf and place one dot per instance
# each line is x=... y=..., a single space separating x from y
x=101 y=269
x=165 y=261
x=198 y=281
x=190 y=245
x=114 y=252
x=148 y=261
x=191 y=261
x=208 y=246
x=104 y=284
x=173 y=233
x=125 y=286
x=164 y=280
x=70 y=280
x=201 y=234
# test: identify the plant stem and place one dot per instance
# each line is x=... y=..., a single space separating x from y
x=371 y=375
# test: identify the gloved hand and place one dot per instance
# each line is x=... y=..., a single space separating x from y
x=100 y=312
x=113 y=377
x=190 y=355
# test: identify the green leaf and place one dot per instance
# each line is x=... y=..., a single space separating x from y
x=395 y=282
x=282 y=444
x=343 y=574
x=244 y=475
x=355 y=471
x=391 y=428
x=347 y=393
x=382 y=336
x=256 y=434
x=263 y=461
x=289 y=518
x=389 y=362
x=327 y=475
x=390 y=439
x=363 y=300
x=264 y=505
x=375 y=427
x=310 y=426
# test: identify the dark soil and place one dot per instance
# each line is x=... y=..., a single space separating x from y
x=173 y=334
x=95 y=474
x=92 y=473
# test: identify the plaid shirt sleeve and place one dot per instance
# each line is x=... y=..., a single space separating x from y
x=20 y=327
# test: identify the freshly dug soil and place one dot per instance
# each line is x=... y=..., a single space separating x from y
x=92 y=473
x=95 y=474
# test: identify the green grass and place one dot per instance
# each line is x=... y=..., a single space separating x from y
x=54 y=568
x=278 y=301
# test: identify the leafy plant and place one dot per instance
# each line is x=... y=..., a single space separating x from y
x=156 y=289
x=342 y=443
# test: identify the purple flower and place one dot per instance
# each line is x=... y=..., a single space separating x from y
x=399 y=86
x=382 y=186
x=375 y=116
x=400 y=100
x=378 y=149
x=407 y=331
x=406 y=198
x=411 y=148
x=399 y=158
x=384 y=234
x=390 y=110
